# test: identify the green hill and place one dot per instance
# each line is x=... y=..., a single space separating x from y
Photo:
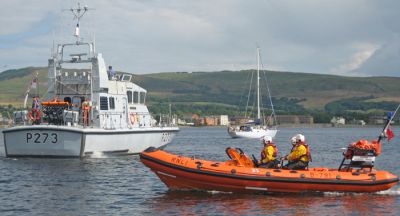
x=222 y=92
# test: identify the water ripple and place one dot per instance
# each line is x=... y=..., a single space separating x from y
x=103 y=185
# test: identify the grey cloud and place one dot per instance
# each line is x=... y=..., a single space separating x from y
x=317 y=36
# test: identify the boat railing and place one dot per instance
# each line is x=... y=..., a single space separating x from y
x=167 y=120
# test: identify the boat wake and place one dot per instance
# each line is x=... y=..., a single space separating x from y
x=98 y=155
x=390 y=192
x=218 y=192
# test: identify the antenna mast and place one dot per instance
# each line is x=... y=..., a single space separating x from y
x=78 y=14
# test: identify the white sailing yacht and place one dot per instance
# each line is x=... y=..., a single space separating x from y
x=258 y=128
x=87 y=111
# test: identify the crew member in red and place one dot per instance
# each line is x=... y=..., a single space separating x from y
x=269 y=154
x=35 y=112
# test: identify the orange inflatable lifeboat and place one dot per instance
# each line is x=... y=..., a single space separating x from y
x=240 y=174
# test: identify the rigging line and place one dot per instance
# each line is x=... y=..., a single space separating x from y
x=73 y=90
x=266 y=120
x=269 y=92
x=248 y=95
x=243 y=91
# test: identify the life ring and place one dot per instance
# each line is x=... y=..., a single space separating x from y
x=33 y=113
x=132 y=118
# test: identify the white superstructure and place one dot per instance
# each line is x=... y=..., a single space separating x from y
x=86 y=110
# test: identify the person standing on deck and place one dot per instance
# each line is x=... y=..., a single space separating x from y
x=111 y=73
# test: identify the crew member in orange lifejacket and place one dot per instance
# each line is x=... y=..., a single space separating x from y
x=86 y=111
x=300 y=154
x=269 y=154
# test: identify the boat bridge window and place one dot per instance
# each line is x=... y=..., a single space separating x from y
x=129 y=94
x=126 y=77
x=67 y=99
x=77 y=101
x=135 y=97
x=103 y=103
x=142 y=97
x=112 y=103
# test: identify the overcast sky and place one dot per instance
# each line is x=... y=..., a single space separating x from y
x=342 y=37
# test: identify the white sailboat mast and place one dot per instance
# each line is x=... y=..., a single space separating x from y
x=258 y=83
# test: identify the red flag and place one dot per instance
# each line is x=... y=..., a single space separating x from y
x=389 y=134
x=34 y=83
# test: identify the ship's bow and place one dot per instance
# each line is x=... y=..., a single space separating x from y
x=43 y=141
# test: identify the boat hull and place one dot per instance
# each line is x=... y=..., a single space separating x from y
x=254 y=134
x=184 y=173
x=63 y=141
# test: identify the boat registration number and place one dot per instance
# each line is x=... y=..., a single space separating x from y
x=321 y=175
x=42 y=138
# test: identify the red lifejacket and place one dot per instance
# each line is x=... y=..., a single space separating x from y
x=308 y=154
x=275 y=154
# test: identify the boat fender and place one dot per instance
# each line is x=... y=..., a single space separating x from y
x=132 y=118
x=373 y=178
x=338 y=177
x=268 y=174
x=302 y=175
x=199 y=164
x=233 y=171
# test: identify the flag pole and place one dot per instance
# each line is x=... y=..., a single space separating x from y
x=389 y=119
x=37 y=84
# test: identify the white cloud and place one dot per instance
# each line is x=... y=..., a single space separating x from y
x=363 y=52
x=384 y=61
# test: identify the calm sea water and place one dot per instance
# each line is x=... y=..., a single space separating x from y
x=123 y=186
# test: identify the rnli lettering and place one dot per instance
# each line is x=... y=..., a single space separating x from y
x=41 y=138
x=321 y=175
x=179 y=161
